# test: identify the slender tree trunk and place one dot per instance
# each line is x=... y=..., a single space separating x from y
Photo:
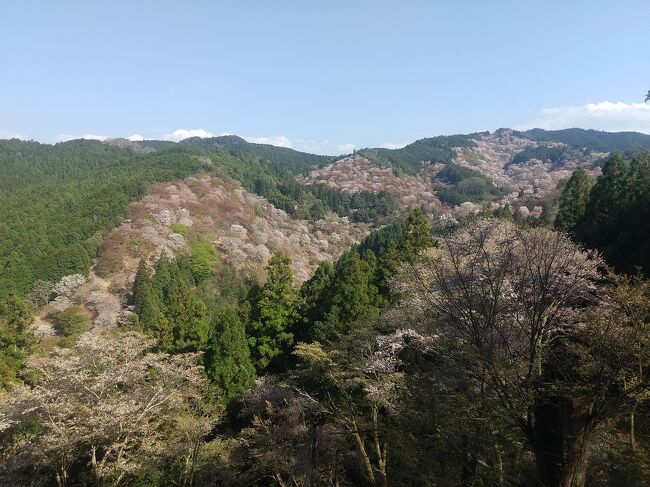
x=281 y=482
x=382 y=453
x=632 y=430
x=62 y=477
x=499 y=465
x=93 y=463
x=313 y=447
x=561 y=436
x=365 y=459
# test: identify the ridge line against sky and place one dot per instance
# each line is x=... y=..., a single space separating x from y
x=322 y=78
x=607 y=116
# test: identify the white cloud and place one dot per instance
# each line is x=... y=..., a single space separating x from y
x=135 y=138
x=278 y=140
x=390 y=145
x=5 y=134
x=67 y=137
x=345 y=148
x=180 y=134
x=312 y=145
x=604 y=115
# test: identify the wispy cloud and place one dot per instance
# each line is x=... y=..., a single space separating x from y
x=605 y=115
x=345 y=148
x=180 y=134
x=391 y=145
x=278 y=140
x=135 y=138
x=312 y=145
x=6 y=134
x=67 y=137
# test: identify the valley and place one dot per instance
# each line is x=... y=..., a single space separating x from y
x=308 y=292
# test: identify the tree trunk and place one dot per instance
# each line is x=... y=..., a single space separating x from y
x=632 y=431
x=501 y=482
x=363 y=454
x=313 y=447
x=382 y=454
x=561 y=435
x=62 y=477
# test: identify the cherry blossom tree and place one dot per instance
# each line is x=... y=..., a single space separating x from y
x=107 y=405
x=500 y=300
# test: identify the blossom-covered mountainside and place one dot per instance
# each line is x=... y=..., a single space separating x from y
x=465 y=310
x=245 y=229
x=523 y=166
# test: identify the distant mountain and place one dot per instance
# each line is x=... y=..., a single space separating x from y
x=594 y=140
x=408 y=158
x=544 y=146
x=292 y=160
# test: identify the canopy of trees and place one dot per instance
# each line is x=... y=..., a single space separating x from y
x=467 y=185
x=57 y=202
x=409 y=159
x=595 y=140
x=491 y=352
x=615 y=215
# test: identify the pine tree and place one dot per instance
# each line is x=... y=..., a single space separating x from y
x=573 y=202
x=387 y=266
x=610 y=191
x=16 y=336
x=149 y=308
x=353 y=292
x=274 y=313
x=312 y=296
x=228 y=361
x=416 y=237
x=617 y=215
x=141 y=285
x=188 y=316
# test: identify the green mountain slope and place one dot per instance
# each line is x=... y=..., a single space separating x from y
x=594 y=140
x=289 y=159
x=408 y=159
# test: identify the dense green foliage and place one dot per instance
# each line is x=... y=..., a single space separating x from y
x=339 y=386
x=273 y=310
x=289 y=159
x=56 y=202
x=594 y=140
x=228 y=358
x=335 y=298
x=280 y=187
x=573 y=202
x=184 y=312
x=542 y=153
x=616 y=219
x=178 y=306
x=408 y=159
x=381 y=239
x=70 y=323
x=16 y=336
x=466 y=185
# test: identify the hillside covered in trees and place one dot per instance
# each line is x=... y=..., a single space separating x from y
x=489 y=347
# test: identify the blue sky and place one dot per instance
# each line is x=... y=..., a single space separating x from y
x=320 y=76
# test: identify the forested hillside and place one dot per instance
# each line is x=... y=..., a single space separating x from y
x=58 y=202
x=612 y=214
x=596 y=140
x=452 y=345
x=409 y=158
